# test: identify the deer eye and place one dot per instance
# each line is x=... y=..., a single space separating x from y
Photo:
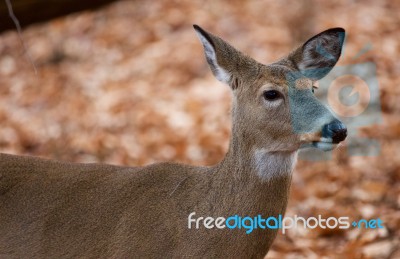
x=313 y=89
x=271 y=95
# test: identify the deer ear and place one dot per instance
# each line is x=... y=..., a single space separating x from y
x=319 y=54
x=210 y=44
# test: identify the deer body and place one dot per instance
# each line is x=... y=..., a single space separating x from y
x=51 y=209
x=117 y=212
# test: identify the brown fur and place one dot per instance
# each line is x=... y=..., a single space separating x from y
x=51 y=209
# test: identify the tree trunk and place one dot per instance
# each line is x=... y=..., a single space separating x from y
x=33 y=11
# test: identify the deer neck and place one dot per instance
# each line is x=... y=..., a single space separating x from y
x=253 y=176
x=246 y=160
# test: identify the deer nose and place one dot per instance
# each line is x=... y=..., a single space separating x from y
x=335 y=130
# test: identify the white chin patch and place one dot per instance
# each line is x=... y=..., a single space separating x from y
x=325 y=146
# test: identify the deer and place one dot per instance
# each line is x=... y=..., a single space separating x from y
x=54 y=209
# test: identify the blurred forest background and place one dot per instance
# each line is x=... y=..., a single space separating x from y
x=128 y=84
